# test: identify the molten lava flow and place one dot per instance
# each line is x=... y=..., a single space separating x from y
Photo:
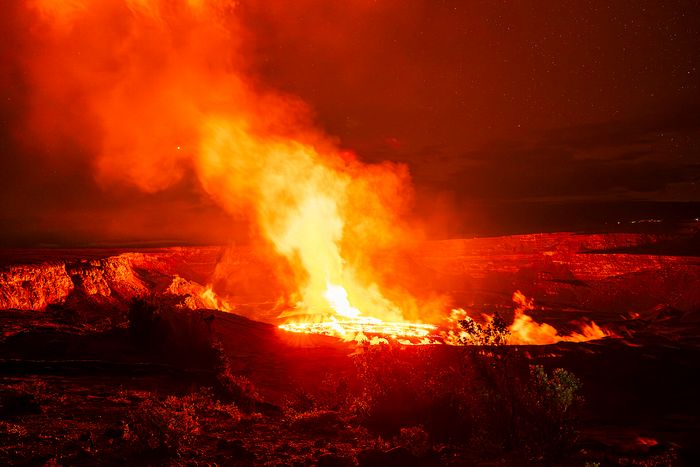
x=524 y=330
x=368 y=329
x=458 y=329
x=348 y=323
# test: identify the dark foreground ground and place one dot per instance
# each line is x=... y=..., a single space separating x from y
x=78 y=386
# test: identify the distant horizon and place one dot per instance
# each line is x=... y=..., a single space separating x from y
x=523 y=219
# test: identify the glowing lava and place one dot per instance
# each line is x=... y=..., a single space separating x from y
x=348 y=323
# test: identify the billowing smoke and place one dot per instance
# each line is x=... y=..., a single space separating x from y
x=155 y=91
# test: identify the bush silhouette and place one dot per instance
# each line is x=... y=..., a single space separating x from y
x=489 y=398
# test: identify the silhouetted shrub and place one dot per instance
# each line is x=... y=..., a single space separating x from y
x=240 y=390
x=494 y=332
x=317 y=422
x=207 y=406
x=171 y=426
x=552 y=399
x=486 y=397
x=415 y=439
x=165 y=427
x=299 y=401
x=406 y=386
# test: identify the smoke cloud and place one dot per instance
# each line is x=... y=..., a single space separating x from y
x=156 y=94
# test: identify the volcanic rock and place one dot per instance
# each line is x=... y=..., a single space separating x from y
x=397 y=457
x=36 y=279
x=235 y=449
x=113 y=276
x=36 y=286
x=33 y=287
x=334 y=460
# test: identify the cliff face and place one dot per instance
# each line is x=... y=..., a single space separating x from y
x=110 y=277
x=569 y=275
x=583 y=275
x=35 y=286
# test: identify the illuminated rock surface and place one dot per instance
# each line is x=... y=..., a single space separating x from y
x=641 y=396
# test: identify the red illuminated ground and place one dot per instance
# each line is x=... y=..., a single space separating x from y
x=72 y=376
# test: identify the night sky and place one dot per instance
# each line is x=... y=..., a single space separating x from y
x=516 y=116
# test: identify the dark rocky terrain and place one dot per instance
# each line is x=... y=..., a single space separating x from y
x=72 y=375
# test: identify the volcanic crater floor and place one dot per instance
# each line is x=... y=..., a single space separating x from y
x=73 y=381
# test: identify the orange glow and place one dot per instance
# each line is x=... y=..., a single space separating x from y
x=647 y=441
x=525 y=330
x=159 y=91
x=197 y=296
x=307 y=204
x=163 y=92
